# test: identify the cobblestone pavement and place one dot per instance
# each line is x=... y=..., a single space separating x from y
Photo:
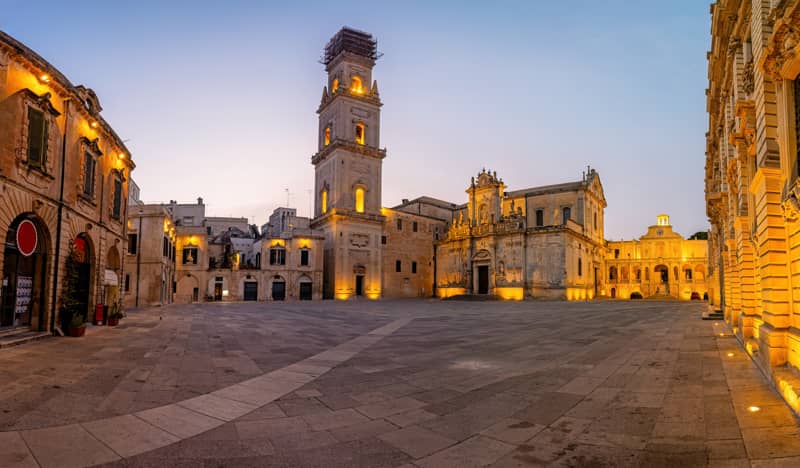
x=395 y=383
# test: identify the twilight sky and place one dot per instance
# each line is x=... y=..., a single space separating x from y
x=218 y=99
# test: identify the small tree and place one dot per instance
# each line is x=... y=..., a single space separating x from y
x=70 y=308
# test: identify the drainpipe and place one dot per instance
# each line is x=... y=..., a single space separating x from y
x=138 y=256
x=59 y=216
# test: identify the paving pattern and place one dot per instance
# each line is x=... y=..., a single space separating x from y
x=405 y=383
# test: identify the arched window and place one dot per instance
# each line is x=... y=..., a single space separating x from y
x=612 y=274
x=360 y=133
x=359 y=200
x=356 y=87
x=565 y=214
x=324 y=201
x=327 y=135
x=580 y=267
x=335 y=85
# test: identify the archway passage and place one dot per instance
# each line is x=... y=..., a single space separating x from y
x=24 y=280
x=663 y=273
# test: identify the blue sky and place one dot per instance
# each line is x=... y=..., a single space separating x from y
x=218 y=99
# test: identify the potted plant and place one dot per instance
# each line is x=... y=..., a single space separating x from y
x=115 y=314
x=71 y=313
x=77 y=326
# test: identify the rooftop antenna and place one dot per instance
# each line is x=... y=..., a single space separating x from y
x=288 y=194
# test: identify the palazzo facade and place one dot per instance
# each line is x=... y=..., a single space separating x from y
x=752 y=184
x=64 y=176
x=660 y=264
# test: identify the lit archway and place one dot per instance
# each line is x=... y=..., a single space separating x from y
x=25 y=280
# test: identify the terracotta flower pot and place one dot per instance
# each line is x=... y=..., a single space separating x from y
x=77 y=332
x=113 y=321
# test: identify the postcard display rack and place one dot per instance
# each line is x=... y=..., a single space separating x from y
x=24 y=293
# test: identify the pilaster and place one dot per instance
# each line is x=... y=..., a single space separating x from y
x=773 y=266
x=747 y=279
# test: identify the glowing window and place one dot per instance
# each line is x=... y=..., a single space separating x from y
x=356 y=87
x=324 y=201
x=360 y=134
x=327 y=136
x=335 y=85
x=359 y=200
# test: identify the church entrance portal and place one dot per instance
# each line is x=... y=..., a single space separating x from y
x=359 y=285
x=483 y=279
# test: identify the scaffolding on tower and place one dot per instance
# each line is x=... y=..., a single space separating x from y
x=351 y=41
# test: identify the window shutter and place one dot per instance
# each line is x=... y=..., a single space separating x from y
x=117 y=198
x=37 y=135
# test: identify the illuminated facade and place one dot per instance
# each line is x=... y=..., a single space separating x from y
x=544 y=242
x=348 y=167
x=150 y=257
x=661 y=263
x=752 y=185
x=64 y=175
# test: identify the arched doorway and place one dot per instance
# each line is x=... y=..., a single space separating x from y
x=82 y=254
x=188 y=290
x=278 y=288
x=305 y=288
x=111 y=277
x=24 y=281
x=613 y=293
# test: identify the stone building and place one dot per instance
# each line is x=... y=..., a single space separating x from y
x=661 y=263
x=752 y=189
x=64 y=175
x=347 y=168
x=409 y=250
x=213 y=267
x=544 y=242
x=279 y=221
x=150 y=259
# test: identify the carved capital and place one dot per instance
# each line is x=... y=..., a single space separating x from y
x=791 y=204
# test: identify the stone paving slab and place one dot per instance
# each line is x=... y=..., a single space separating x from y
x=411 y=383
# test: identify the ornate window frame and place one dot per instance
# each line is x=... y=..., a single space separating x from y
x=117 y=175
x=41 y=103
x=90 y=150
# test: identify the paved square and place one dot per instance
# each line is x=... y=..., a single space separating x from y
x=395 y=383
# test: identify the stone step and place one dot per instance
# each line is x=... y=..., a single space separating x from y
x=713 y=315
x=16 y=339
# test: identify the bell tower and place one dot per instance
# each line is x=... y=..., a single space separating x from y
x=347 y=168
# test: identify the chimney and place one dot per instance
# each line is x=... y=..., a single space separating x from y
x=405 y=201
x=199 y=200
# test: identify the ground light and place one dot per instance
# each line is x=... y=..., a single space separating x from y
x=730 y=354
x=753 y=409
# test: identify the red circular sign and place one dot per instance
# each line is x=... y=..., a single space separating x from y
x=26 y=238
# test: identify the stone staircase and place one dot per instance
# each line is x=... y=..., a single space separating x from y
x=8 y=340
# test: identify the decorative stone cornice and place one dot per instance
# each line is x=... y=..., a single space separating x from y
x=350 y=146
